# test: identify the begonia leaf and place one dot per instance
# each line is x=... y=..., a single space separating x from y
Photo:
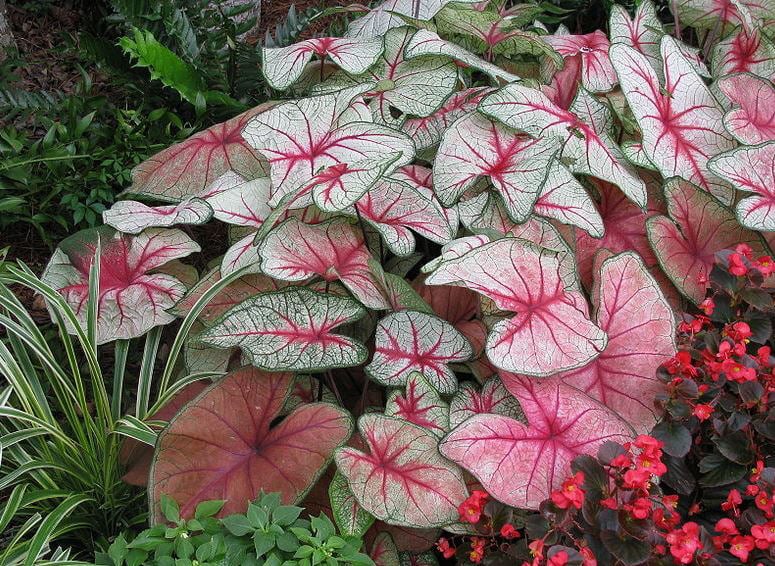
x=349 y=516
x=408 y=342
x=597 y=74
x=420 y=404
x=492 y=399
x=132 y=299
x=132 y=217
x=550 y=331
x=752 y=121
x=225 y=445
x=290 y=329
x=520 y=464
x=402 y=480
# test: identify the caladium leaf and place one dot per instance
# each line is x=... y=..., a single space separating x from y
x=420 y=404
x=632 y=310
x=428 y=131
x=643 y=32
x=597 y=74
x=423 y=559
x=241 y=254
x=187 y=168
x=282 y=66
x=239 y=202
x=290 y=329
x=393 y=207
x=403 y=480
x=349 y=516
x=408 y=341
x=493 y=399
x=132 y=299
x=731 y=13
x=550 y=331
x=686 y=242
x=426 y=42
x=333 y=250
x=383 y=551
x=744 y=51
x=387 y=15
x=456 y=305
x=588 y=150
x=132 y=217
x=682 y=122
x=223 y=445
x=753 y=120
x=307 y=389
x=475 y=147
x=519 y=464
x=301 y=137
x=751 y=169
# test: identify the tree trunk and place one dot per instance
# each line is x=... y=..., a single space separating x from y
x=6 y=37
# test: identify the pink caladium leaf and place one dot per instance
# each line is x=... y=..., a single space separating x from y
x=426 y=42
x=290 y=330
x=132 y=298
x=456 y=305
x=387 y=15
x=333 y=250
x=428 y=131
x=383 y=550
x=223 y=445
x=550 y=331
x=132 y=217
x=520 y=464
x=306 y=389
x=631 y=308
x=597 y=74
x=187 y=168
x=681 y=122
x=475 y=147
x=744 y=51
x=402 y=480
x=752 y=121
x=564 y=85
x=751 y=169
x=492 y=399
x=283 y=66
x=708 y=14
x=301 y=137
x=545 y=235
x=349 y=516
x=642 y=32
x=408 y=342
x=685 y=243
x=396 y=209
x=419 y=404
x=586 y=149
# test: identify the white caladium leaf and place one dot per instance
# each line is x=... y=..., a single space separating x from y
x=419 y=404
x=493 y=399
x=387 y=15
x=421 y=179
x=455 y=249
x=333 y=250
x=132 y=217
x=403 y=480
x=241 y=254
x=543 y=234
x=282 y=66
x=290 y=330
x=427 y=131
x=597 y=74
x=408 y=342
x=681 y=123
x=240 y=202
x=588 y=151
x=751 y=169
x=643 y=32
x=485 y=213
x=301 y=137
x=550 y=331
x=475 y=147
x=752 y=121
x=394 y=207
x=426 y=42
x=349 y=516
x=744 y=51
x=132 y=299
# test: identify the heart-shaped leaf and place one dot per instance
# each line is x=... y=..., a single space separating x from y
x=753 y=120
x=686 y=242
x=349 y=516
x=632 y=310
x=132 y=217
x=408 y=341
x=240 y=202
x=132 y=299
x=681 y=122
x=403 y=480
x=751 y=169
x=493 y=399
x=597 y=74
x=521 y=464
x=290 y=329
x=387 y=15
x=224 y=446
x=642 y=32
x=744 y=51
x=333 y=250
x=550 y=331
x=282 y=66
x=721 y=15
x=419 y=404
x=383 y=550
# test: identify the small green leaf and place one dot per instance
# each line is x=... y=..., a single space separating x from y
x=208 y=509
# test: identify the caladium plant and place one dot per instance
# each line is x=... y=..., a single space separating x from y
x=481 y=270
